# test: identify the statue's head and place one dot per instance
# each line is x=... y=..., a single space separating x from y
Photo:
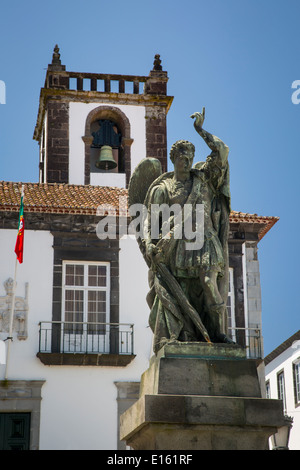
x=182 y=147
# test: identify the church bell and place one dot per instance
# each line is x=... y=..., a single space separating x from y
x=106 y=160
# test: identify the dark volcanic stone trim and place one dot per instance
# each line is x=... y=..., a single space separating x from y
x=83 y=248
x=63 y=359
x=156 y=134
x=57 y=163
x=74 y=224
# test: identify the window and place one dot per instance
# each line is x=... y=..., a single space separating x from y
x=231 y=307
x=86 y=289
x=296 y=370
x=281 y=389
x=268 y=390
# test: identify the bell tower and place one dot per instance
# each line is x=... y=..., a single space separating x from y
x=94 y=128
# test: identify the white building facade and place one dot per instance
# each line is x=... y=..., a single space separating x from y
x=282 y=368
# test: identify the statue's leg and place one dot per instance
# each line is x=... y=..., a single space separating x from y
x=208 y=280
x=189 y=331
x=215 y=306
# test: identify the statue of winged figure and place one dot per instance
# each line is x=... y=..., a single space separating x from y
x=188 y=287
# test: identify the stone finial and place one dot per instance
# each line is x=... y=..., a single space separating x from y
x=157 y=62
x=9 y=286
x=156 y=83
x=56 y=65
x=56 y=56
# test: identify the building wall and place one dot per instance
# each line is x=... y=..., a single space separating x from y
x=79 y=403
x=57 y=143
x=38 y=257
x=284 y=362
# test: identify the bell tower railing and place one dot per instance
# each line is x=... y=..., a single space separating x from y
x=105 y=83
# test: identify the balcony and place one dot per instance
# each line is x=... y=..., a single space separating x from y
x=85 y=343
x=111 y=344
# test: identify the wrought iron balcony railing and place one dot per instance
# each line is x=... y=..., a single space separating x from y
x=118 y=338
x=249 y=338
x=85 y=338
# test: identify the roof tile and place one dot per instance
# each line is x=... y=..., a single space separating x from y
x=86 y=199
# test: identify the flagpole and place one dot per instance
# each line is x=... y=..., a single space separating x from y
x=12 y=310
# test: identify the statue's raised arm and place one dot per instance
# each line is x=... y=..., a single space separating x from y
x=216 y=145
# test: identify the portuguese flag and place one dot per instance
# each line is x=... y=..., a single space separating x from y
x=20 y=237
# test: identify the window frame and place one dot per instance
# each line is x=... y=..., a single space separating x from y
x=231 y=301
x=268 y=389
x=296 y=380
x=281 y=393
x=87 y=248
x=85 y=287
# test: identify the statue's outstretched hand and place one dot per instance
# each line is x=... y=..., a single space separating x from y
x=199 y=118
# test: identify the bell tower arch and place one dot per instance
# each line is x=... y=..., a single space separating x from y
x=120 y=124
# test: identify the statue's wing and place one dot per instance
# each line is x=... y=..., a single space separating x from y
x=142 y=177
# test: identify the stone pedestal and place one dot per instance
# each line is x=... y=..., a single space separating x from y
x=200 y=396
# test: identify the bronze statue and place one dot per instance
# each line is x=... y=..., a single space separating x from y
x=188 y=286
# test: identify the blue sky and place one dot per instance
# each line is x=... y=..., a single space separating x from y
x=237 y=58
